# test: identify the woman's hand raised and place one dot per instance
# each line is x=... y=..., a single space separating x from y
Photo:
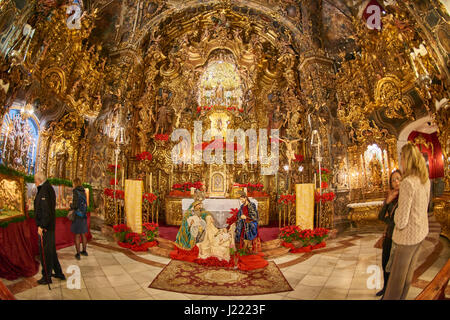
x=392 y=194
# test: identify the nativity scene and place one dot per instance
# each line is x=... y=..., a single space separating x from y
x=255 y=150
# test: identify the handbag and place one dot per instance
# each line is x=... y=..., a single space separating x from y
x=71 y=215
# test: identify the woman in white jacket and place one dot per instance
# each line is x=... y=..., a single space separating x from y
x=411 y=222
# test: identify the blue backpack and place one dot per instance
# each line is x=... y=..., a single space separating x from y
x=81 y=205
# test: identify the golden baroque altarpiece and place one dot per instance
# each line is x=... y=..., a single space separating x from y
x=136 y=70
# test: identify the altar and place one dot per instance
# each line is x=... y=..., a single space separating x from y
x=218 y=207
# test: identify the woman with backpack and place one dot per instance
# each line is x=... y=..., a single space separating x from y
x=79 y=224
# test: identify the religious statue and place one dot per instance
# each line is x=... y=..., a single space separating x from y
x=290 y=153
x=217 y=242
x=162 y=114
x=61 y=158
x=192 y=228
x=247 y=236
x=375 y=171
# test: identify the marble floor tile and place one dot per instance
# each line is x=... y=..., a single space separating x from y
x=357 y=294
x=310 y=280
x=332 y=294
x=75 y=294
x=97 y=282
x=321 y=271
x=302 y=292
x=130 y=292
x=120 y=280
x=103 y=294
x=339 y=282
x=113 y=270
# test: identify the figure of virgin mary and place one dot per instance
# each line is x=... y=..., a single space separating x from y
x=193 y=227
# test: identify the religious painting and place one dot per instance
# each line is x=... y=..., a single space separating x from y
x=31 y=191
x=19 y=137
x=63 y=197
x=11 y=196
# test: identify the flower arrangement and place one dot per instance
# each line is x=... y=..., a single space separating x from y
x=250 y=186
x=136 y=241
x=305 y=240
x=187 y=186
x=112 y=168
x=120 y=231
x=207 y=108
x=113 y=182
x=119 y=194
x=150 y=197
x=151 y=230
x=286 y=199
x=162 y=137
x=325 y=173
x=326 y=197
x=299 y=158
x=324 y=185
x=144 y=156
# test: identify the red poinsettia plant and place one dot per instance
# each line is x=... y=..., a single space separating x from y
x=286 y=199
x=162 y=137
x=144 y=156
x=113 y=182
x=111 y=169
x=187 y=186
x=307 y=237
x=135 y=241
x=120 y=231
x=151 y=230
x=299 y=158
x=118 y=194
x=325 y=173
x=250 y=186
x=324 y=185
x=326 y=197
x=149 y=197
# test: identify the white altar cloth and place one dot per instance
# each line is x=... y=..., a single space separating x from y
x=218 y=207
x=365 y=204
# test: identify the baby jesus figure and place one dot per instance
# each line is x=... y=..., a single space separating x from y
x=217 y=242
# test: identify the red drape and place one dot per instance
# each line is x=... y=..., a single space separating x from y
x=63 y=236
x=252 y=262
x=19 y=246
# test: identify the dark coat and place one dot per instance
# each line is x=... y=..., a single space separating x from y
x=74 y=204
x=44 y=206
x=389 y=218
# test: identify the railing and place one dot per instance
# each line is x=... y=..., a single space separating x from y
x=435 y=290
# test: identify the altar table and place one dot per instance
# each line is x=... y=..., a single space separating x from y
x=218 y=207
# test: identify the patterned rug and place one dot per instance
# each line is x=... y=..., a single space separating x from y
x=192 y=278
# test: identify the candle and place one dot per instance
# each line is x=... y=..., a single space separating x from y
x=151 y=180
x=413 y=64
x=423 y=67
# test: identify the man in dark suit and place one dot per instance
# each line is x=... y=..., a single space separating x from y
x=44 y=208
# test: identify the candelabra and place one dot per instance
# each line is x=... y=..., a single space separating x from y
x=119 y=141
x=315 y=143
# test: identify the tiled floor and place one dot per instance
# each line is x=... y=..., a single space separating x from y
x=340 y=274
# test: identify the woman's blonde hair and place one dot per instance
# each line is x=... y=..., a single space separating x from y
x=415 y=164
